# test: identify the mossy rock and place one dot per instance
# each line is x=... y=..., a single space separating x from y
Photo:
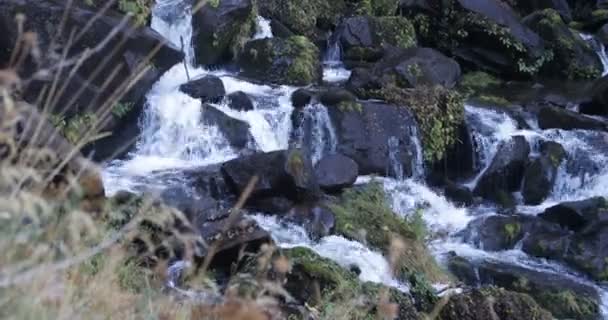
x=395 y=31
x=439 y=112
x=293 y=61
x=311 y=18
x=492 y=303
x=377 y=7
x=363 y=214
x=340 y=292
x=572 y=56
x=566 y=304
x=477 y=82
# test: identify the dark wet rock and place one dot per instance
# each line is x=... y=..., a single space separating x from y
x=602 y=34
x=459 y=161
x=557 y=118
x=578 y=214
x=559 y=294
x=541 y=173
x=572 y=57
x=219 y=30
x=234 y=130
x=317 y=219
x=492 y=303
x=336 y=96
x=469 y=30
x=122 y=62
x=506 y=171
x=205 y=181
x=499 y=232
x=464 y=270
x=192 y=205
x=458 y=193
x=364 y=130
x=599 y=99
x=240 y=101
x=301 y=98
x=271 y=205
x=405 y=68
x=208 y=89
x=336 y=172
x=363 y=37
x=287 y=173
x=294 y=60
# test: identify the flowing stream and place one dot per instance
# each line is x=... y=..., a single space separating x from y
x=173 y=137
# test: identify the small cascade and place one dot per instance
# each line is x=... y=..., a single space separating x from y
x=418 y=159
x=263 y=28
x=316 y=132
x=173 y=20
x=488 y=129
x=346 y=253
x=333 y=67
x=599 y=48
x=395 y=167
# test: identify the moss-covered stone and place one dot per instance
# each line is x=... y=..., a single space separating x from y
x=396 y=31
x=493 y=303
x=337 y=292
x=572 y=56
x=378 y=7
x=311 y=18
x=477 y=82
x=439 y=113
x=363 y=214
x=567 y=304
x=294 y=60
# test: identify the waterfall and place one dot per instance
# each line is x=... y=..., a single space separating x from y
x=599 y=48
x=333 y=67
x=316 y=132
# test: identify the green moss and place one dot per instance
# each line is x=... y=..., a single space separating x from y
x=567 y=305
x=213 y=3
x=493 y=100
x=377 y=7
x=73 y=128
x=303 y=16
x=396 y=31
x=476 y=82
x=350 y=106
x=439 y=113
x=343 y=295
x=363 y=214
x=303 y=69
x=133 y=277
x=512 y=231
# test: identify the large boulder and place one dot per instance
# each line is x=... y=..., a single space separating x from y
x=288 y=174
x=576 y=215
x=572 y=56
x=310 y=18
x=506 y=172
x=598 y=104
x=234 y=130
x=240 y=101
x=294 y=60
x=492 y=303
x=541 y=173
x=498 y=232
x=219 y=29
x=485 y=34
x=207 y=89
x=336 y=172
x=407 y=68
x=125 y=55
x=363 y=38
x=564 y=297
x=558 y=118
x=364 y=132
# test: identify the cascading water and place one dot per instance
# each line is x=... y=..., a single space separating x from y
x=333 y=67
x=316 y=132
x=599 y=48
x=263 y=30
x=173 y=137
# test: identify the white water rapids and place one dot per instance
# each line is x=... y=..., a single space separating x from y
x=173 y=137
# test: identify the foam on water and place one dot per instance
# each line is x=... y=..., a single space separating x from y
x=263 y=29
x=333 y=67
x=346 y=253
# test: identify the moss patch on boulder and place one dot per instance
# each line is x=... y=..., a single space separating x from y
x=573 y=58
x=378 y=7
x=439 y=113
x=293 y=61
